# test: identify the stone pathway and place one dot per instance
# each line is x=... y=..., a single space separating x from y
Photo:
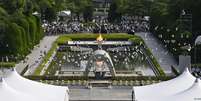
x=164 y=57
x=36 y=56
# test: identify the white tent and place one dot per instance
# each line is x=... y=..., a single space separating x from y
x=64 y=13
x=193 y=93
x=9 y=94
x=24 y=87
x=198 y=40
x=164 y=89
x=36 y=13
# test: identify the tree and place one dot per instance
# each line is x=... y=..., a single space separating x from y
x=14 y=39
x=28 y=8
x=113 y=15
x=60 y=5
x=19 y=29
x=88 y=13
x=12 y=6
x=79 y=7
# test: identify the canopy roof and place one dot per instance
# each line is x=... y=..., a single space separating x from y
x=13 y=87
x=64 y=13
x=193 y=93
x=198 y=40
x=164 y=89
x=9 y=94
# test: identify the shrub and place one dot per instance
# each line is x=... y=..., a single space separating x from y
x=137 y=40
x=155 y=62
x=7 y=64
x=94 y=36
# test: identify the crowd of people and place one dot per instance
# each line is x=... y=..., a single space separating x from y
x=128 y=24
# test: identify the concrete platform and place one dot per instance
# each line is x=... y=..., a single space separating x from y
x=99 y=83
x=101 y=94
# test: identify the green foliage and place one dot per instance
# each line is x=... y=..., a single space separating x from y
x=60 y=5
x=137 y=40
x=50 y=14
x=7 y=64
x=175 y=71
x=114 y=15
x=3 y=43
x=28 y=8
x=32 y=30
x=62 y=40
x=3 y=12
x=88 y=13
x=119 y=78
x=175 y=18
x=196 y=65
x=155 y=62
x=128 y=7
x=81 y=7
x=19 y=31
x=15 y=38
x=12 y=6
x=78 y=36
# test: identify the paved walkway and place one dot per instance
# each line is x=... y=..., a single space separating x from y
x=37 y=54
x=164 y=58
x=96 y=93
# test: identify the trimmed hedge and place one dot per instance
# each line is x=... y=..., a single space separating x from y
x=155 y=62
x=7 y=64
x=163 y=78
x=139 y=41
x=20 y=34
x=175 y=71
x=196 y=65
x=62 y=39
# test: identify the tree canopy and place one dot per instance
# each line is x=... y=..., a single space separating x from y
x=20 y=30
